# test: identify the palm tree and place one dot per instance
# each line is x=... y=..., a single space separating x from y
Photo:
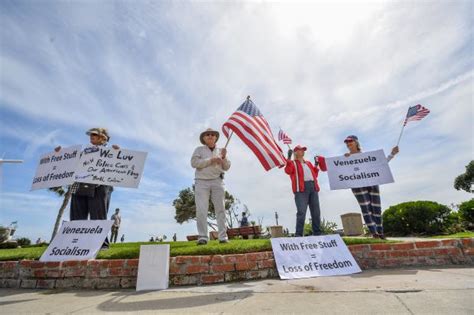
x=67 y=196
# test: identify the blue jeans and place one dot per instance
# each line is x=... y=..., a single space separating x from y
x=303 y=199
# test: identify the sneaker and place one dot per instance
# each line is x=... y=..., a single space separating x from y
x=202 y=242
x=224 y=241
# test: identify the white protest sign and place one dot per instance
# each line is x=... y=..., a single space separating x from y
x=313 y=256
x=153 y=267
x=56 y=168
x=108 y=166
x=77 y=240
x=358 y=170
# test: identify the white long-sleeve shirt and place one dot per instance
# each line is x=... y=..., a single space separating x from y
x=201 y=161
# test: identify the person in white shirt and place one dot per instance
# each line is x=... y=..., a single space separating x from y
x=210 y=163
x=115 y=227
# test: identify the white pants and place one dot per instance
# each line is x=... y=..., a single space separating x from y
x=204 y=189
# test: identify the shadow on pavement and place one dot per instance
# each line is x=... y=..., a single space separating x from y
x=160 y=302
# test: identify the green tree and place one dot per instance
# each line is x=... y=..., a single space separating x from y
x=417 y=217
x=185 y=207
x=466 y=212
x=466 y=180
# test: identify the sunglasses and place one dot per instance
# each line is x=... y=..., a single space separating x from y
x=210 y=134
x=349 y=141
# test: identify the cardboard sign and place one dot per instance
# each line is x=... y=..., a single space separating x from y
x=77 y=240
x=107 y=166
x=153 y=267
x=56 y=168
x=358 y=170
x=313 y=256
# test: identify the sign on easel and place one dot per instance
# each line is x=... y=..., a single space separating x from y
x=313 y=256
x=153 y=267
x=77 y=240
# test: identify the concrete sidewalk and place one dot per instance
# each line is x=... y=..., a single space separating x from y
x=402 y=291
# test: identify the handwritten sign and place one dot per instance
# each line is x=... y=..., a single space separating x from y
x=358 y=170
x=313 y=256
x=56 y=168
x=77 y=240
x=107 y=166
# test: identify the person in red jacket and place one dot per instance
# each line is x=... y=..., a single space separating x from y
x=304 y=181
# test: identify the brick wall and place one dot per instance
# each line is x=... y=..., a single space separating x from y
x=197 y=270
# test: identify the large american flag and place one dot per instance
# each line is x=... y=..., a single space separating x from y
x=282 y=136
x=416 y=112
x=249 y=124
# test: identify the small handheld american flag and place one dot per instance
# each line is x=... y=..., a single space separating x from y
x=416 y=112
x=282 y=136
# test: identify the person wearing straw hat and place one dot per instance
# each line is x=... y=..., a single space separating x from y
x=90 y=200
x=304 y=182
x=210 y=163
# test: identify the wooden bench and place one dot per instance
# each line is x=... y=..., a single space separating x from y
x=245 y=232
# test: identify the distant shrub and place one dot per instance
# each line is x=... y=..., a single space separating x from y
x=23 y=241
x=417 y=217
x=466 y=213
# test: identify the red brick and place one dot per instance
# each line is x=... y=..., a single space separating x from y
x=54 y=273
x=197 y=269
x=223 y=268
x=420 y=252
x=116 y=263
x=205 y=259
x=8 y=264
x=175 y=269
x=25 y=263
x=468 y=242
x=214 y=278
x=187 y=259
x=229 y=259
x=377 y=254
x=70 y=263
x=359 y=248
x=116 y=271
x=380 y=246
x=53 y=264
x=217 y=259
x=40 y=273
x=132 y=262
x=256 y=256
x=450 y=243
x=469 y=251
x=448 y=251
x=247 y=265
x=268 y=263
x=427 y=244
x=403 y=246
x=398 y=253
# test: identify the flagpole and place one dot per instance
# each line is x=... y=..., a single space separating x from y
x=403 y=127
x=228 y=139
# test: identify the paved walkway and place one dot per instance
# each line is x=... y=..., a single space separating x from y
x=404 y=291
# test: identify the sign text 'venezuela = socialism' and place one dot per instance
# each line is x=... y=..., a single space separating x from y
x=355 y=176
x=75 y=251
x=313 y=265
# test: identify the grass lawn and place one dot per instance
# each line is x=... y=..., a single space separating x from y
x=456 y=235
x=131 y=250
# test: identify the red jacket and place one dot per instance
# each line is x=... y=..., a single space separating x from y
x=295 y=170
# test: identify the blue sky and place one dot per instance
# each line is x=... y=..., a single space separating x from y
x=157 y=73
